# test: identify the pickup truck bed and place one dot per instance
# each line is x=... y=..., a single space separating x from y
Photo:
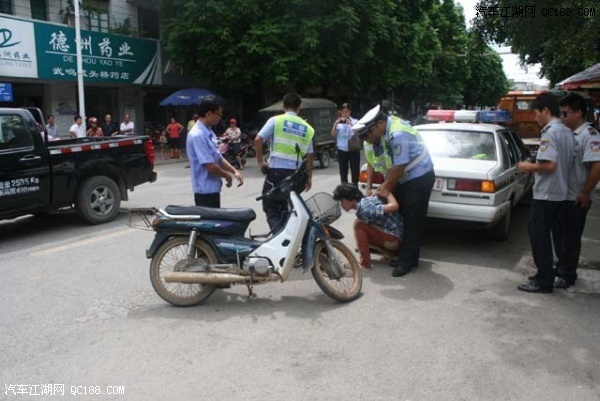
x=92 y=175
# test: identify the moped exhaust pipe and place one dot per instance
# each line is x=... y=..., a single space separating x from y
x=205 y=278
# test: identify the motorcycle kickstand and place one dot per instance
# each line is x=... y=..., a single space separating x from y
x=251 y=294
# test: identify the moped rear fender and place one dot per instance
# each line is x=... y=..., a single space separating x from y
x=314 y=233
x=160 y=237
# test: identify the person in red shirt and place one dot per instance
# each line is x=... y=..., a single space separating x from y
x=94 y=130
x=174 y=132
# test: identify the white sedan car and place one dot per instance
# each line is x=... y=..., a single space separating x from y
x=477 y=183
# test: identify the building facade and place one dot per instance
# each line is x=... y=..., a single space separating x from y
x=125 y=67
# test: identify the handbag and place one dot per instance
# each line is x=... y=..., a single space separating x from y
x=354 y=144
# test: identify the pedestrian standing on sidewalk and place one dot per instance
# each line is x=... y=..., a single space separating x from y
x=77 y=130
x=347 y=153
x=94 y=130
x=208 y=167
x=550 y=189
x=109 y=127
x=127 y=126
x=174 y=130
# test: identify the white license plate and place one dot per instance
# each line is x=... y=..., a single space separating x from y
x=437 y=185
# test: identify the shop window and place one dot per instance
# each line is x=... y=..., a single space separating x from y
x=39 y=9
x=148 y=23
x=6 y=6
x=96 y=12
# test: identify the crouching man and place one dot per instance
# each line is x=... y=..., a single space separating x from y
x=378 y=225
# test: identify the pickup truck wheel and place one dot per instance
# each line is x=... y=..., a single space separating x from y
x=324 y=159
x=98 y=200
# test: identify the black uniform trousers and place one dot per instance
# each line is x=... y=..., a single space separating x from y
x=208 y=200
x=566 y=234
x=541 y=223
x=275 y=208
x=413 y=197
x=353 y=158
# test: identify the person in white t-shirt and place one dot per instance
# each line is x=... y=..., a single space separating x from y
x=127 y=127
x=77 y=130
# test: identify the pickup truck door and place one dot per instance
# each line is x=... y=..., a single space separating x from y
x=24 y=175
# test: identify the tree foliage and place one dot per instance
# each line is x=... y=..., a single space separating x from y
x=487 y=82
x=564 y=43
x=369 y=48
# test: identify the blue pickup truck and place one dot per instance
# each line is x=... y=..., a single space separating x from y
x=92 y=175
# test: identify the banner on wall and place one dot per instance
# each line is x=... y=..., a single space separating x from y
x=51 y=54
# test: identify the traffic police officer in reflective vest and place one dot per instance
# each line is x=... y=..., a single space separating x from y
x=284 y=132
x=398 y=152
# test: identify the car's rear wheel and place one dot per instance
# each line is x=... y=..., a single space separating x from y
x=501 y=230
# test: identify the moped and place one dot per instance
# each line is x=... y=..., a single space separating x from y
x=197 y=249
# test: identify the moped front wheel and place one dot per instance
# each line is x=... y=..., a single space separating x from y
x=343 y=289
x=170 y=257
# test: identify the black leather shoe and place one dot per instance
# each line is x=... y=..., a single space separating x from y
x=534 y=287
x=400 y=271
x=562 y=283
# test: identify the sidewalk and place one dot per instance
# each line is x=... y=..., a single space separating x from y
x=158 y=161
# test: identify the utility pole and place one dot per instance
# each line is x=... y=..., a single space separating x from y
x=80 y=90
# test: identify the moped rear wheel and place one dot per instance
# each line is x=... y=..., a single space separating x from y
x=169 y=258
x=343 y=289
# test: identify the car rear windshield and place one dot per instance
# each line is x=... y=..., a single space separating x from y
x=454 y=144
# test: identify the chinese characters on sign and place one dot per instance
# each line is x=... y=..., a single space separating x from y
x=106 y=57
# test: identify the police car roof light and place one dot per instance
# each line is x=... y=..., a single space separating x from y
x=493 y=116
x=440 y=115
x=469 y=116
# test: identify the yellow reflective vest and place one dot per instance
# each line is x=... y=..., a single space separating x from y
x=289 y=131
x=384 y=162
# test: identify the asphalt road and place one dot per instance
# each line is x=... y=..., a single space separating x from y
x=79 y=310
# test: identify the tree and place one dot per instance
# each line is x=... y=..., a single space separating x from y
x=555 y=33
x=486 y=82
x=368 y=47
x=449 y=73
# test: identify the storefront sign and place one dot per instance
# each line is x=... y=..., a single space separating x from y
x=6 y=94
x=17 y=49
x=106 y=58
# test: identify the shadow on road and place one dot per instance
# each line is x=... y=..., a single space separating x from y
x=225 y=305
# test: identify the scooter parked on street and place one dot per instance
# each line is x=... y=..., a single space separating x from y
x=197 y=250
x=227 y=151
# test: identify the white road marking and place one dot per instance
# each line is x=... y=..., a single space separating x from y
x=83 y=242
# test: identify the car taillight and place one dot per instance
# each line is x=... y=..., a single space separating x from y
x=149 y=150
x=471 y=185
x=377 y=177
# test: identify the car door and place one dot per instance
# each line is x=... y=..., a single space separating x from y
x=510 y=159
x=524 y=179
x=514 y=156
x=24 y=177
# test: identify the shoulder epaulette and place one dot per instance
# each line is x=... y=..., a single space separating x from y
x=592 y=130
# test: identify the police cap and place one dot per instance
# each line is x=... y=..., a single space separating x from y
x=364 y=125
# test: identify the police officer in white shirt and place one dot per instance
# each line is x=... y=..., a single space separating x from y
x=127 y=126
x=77 y=130
x=584 y=175
x=550 y=189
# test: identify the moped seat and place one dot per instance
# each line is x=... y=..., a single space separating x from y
x=243 y=214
